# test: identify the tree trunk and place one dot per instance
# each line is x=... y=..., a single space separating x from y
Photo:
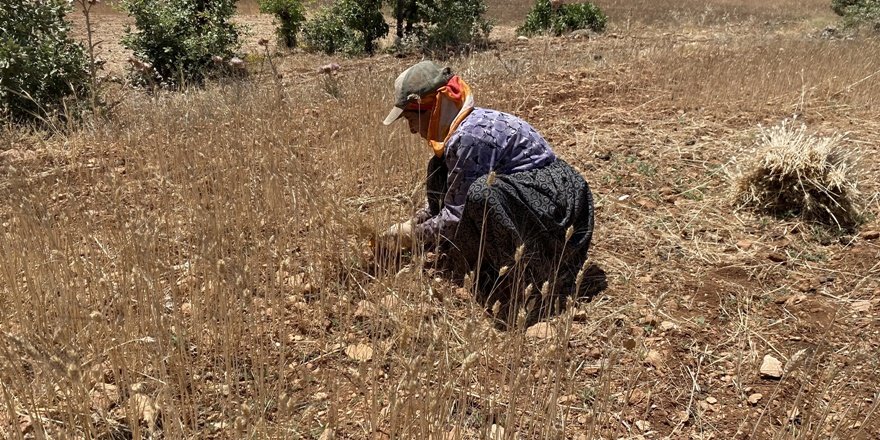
x=399 y=10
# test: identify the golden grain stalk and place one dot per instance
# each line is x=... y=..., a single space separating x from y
x=793 y=172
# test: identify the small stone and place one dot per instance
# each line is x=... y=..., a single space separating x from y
x=655 y=359
x=359 y=352
x=365 y=309
x=643 y=425
x=777 y=257
x=870 y=235
x=754 y=398
x=103 y=396
x=745 y=244
x=145 y=409
x=567 y=400
x=637 y=396
x=771 y=367
x=711 y=400
x=647 y=204
x=541 y=330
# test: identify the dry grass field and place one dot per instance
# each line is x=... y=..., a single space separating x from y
x=195 y=266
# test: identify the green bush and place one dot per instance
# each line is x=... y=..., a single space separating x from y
x=456 y=24
x=40 y=65
x=857 y=12
x=349 y=26
x=290 y=15
x=181 y=38
x=544 y=18
x=327 y=33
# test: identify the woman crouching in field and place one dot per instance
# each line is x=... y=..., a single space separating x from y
x=500 y=202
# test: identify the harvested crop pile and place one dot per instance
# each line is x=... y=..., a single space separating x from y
x=795 y=173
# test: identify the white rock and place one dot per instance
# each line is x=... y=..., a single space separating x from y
x=755 y=398
x=771 y=367
x=541 y=330
x=667 y=325
x=359 y=352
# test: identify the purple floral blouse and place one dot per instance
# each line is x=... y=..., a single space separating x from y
x=487 y=140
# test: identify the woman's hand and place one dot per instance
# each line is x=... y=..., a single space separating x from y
x=397 y=238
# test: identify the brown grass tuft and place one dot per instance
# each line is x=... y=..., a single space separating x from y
x=793 y=172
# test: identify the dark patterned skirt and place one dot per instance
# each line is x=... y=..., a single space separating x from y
x=531 y=228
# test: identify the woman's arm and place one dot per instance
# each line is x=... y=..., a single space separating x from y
x=464 y=168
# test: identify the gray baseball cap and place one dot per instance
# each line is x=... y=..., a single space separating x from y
x=416 y=82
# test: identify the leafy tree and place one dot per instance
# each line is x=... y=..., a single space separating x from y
x=180 y=40
x=441 y=25
x=364 y=16
x=41 y=67
x=290 y=15
x=409 y=15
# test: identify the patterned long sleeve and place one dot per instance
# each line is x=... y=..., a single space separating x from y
x=463 y=171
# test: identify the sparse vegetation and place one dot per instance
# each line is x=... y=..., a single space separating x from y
x=177 y=42
x=290 y=15
x=195 y=265
x=558 y=18
x=43 y=72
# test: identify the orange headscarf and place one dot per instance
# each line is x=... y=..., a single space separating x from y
x=449 y=105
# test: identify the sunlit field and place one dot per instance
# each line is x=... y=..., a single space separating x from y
x=197 y=264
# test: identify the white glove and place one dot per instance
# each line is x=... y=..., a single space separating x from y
x=398 y=237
